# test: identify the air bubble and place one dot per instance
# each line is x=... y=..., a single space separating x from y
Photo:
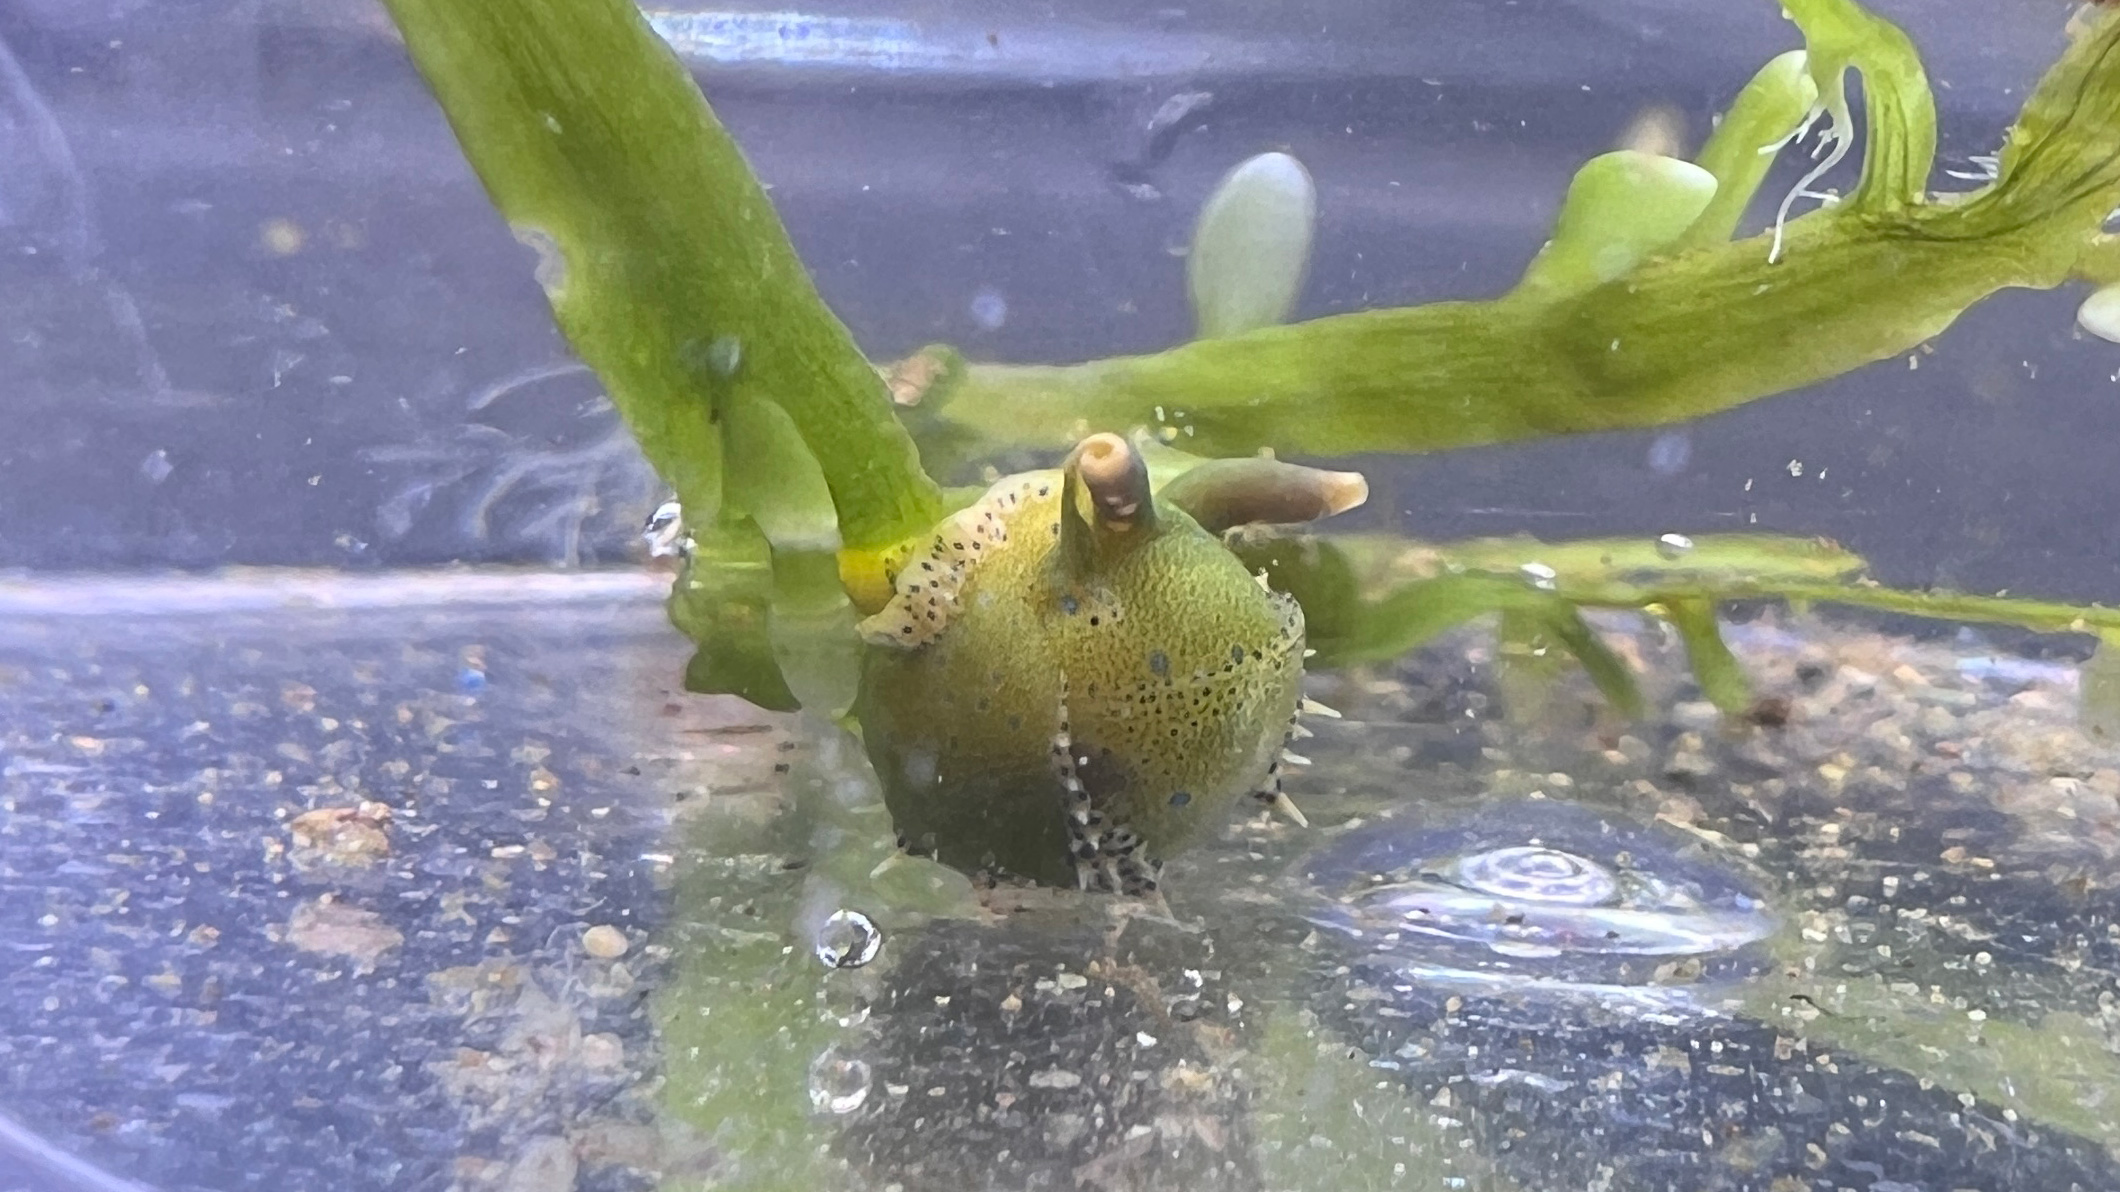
x=1673 y=546
x=848 y=939
x=838 y=1085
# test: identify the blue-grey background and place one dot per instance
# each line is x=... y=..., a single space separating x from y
x=257 y=310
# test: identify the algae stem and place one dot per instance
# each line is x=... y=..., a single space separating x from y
x=665 y=263
x=1675 y=340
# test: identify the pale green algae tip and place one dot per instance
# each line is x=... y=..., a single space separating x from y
x=1634 y=316
x=2100 y=313
x=1251 y=246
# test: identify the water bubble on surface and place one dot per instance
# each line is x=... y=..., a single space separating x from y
x=838 y=1085
x=1535 y=901
x=1539 y=875
x=1541 y=576
x=1533 y=891
x=1673 y=546
x=848 y=939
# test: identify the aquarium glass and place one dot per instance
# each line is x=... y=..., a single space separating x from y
x=1683 y=762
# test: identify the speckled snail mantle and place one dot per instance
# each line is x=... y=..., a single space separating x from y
x=1076 y=679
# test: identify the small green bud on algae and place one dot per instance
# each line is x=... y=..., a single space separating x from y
x=2100 y=313
x=1252 y=246
x=1622 y=207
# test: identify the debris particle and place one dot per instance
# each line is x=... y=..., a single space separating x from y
x=335 y=929
x=604 y=942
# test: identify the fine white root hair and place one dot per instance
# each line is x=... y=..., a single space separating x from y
x=571 y=501
x=1986 y=168
x=1833 y=143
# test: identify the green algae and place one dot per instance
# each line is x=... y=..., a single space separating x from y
x=1690 y=324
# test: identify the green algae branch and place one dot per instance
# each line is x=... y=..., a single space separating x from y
x=1642 y=311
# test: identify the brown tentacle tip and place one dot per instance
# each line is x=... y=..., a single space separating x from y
x=1116 y=478
x=1224 y=493
x=1342 y=491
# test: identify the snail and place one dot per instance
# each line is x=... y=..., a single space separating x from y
x=1074 y=678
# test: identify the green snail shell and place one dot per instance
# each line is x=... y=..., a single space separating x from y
x=1075 y=681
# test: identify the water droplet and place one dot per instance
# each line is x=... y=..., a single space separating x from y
x=1541 y=576
x=1673 y=546
x=989 y=309
x=848 y=939
x=838 y=1085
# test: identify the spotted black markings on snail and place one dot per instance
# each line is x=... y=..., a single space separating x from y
x=1075 y=679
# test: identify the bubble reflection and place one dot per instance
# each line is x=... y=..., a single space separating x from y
x=838 y=1085
x=1575 y=896
x=848 y=939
